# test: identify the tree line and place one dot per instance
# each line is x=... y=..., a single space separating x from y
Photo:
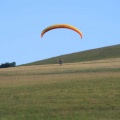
x=7 y=64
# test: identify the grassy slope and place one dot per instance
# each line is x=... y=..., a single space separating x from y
x=89 y=55
x=73 y=91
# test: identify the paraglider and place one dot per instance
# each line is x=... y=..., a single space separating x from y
x=62 y=26
x=60 y=61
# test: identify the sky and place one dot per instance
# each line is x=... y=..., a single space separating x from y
x=22 y=21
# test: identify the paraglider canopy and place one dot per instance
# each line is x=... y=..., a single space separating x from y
x=61 y=26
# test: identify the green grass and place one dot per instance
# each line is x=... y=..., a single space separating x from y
x=76 y=91
x=76 y=99
x=89 y=55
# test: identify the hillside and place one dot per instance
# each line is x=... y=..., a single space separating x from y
x=75 y=91
x=88 y=90
x=88 y=55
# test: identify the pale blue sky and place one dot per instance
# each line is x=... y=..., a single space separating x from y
x=21 y=22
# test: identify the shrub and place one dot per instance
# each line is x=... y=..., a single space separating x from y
x=7 y=64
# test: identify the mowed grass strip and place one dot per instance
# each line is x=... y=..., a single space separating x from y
x=79 y=95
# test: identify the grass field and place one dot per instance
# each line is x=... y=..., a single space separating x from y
x=72 y=91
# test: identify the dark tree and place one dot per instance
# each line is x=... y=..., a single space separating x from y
x=7 y=64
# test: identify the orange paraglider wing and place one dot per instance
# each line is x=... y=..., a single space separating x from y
x=61 y=26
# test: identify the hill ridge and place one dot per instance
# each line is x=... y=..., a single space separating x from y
x=87 y=55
